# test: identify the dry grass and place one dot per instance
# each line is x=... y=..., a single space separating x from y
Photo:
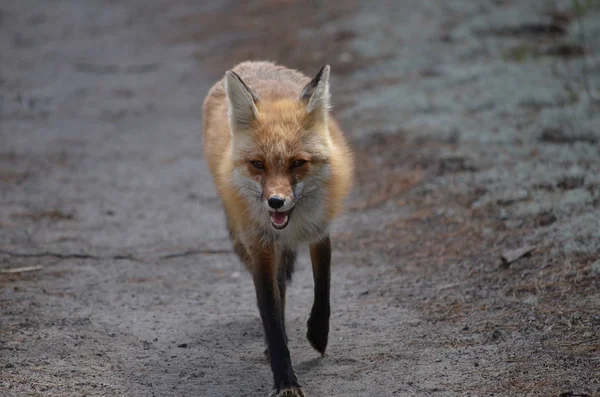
x=540 y=315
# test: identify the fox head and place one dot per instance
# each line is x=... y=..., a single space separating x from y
x=281 y=150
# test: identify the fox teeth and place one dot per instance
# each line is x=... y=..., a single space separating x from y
x=279 y=220
x=282 y=223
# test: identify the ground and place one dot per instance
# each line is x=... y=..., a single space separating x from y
x=476 y=131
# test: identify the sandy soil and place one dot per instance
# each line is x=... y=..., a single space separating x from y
x=476 y=127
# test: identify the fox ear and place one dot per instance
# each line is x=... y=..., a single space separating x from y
x=242 y=102
x=316 y=93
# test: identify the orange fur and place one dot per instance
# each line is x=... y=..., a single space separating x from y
x=283 y=131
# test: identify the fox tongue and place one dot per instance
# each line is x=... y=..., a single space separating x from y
x=278 y=217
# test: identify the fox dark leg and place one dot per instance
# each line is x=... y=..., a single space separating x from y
x=284 y=275
x=318 y=322
x=270 y=305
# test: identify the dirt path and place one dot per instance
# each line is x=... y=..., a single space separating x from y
x=476 y=129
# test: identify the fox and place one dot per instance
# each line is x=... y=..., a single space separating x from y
x=283 y=170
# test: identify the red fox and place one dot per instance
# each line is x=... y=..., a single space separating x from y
x=283 y=169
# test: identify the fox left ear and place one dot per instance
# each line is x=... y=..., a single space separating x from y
x=242 y=102
x=316 y=93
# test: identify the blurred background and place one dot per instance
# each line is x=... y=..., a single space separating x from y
x=467 y=262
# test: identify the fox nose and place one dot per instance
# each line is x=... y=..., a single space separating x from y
x=275 y=202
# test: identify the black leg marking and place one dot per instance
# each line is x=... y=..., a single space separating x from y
x=270 y=307
x=284 y=273
x=318 y=322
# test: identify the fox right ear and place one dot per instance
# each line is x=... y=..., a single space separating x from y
x=242 y=102
x=316 y=93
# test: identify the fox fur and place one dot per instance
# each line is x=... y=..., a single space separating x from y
x=283 y=170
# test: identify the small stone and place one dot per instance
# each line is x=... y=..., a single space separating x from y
x=511 y=256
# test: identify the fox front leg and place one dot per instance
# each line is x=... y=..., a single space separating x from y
x=287 y=260
x=318 y=322
x=270 y=306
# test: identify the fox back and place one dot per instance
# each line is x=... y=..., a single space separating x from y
x=279 y=160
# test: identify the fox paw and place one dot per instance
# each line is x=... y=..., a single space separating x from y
x=318 y=333
x=288 y=392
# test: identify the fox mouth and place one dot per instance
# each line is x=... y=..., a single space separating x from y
x=280 y=219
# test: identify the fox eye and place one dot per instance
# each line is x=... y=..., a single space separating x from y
x=298 y=163
x=259 y=165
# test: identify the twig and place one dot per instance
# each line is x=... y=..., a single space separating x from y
x=44 y=254
x=21 y=269
x=196 y=252
x=59 y=255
